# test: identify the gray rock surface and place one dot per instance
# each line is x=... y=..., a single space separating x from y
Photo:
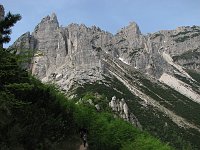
x=120 y=108
x=73 y=54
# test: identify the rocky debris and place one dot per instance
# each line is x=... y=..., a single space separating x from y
x=72 y=96
x=180 y=86
x=97 y=107
x=90 y=102
x=120 y=108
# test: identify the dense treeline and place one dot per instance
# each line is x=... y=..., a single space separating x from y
x=37 y=116
x=31 y=115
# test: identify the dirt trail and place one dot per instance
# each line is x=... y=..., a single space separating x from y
x=82 y=147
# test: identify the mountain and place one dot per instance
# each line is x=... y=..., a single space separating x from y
x=38 y=116
x=157 y=74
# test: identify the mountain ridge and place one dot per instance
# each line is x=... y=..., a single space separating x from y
x=128 y=44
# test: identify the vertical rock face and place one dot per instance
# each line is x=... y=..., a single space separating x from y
x=66 y=55
x=47 y=38
x=132 y=46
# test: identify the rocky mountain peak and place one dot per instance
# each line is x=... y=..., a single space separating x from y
x=54 y=17
x=132 y=28
x=50 y=19
x=48 y=23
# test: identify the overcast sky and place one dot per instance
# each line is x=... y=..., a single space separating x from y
x=109 y=15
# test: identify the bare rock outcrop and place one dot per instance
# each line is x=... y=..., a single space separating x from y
x=120 y=108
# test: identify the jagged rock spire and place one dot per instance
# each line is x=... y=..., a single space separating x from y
x=132 y=29
x=53 y=18
x=48 y=22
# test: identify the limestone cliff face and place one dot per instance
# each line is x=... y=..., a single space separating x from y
x=64 y=54
x=73 y=54
x=145 y=52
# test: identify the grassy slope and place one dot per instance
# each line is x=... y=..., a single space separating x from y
x=151 y=119
x=174 y=101
x=195 y=75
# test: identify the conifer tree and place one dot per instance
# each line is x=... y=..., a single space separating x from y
x=8 y=63
x=5 y=26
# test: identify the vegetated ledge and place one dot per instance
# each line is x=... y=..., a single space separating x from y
x=190 y=54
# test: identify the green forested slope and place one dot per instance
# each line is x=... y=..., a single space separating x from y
x=152 y=120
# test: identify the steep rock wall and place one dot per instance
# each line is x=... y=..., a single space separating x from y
x=66 y=55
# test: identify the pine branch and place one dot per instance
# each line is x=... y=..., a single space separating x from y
x=5 y=25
